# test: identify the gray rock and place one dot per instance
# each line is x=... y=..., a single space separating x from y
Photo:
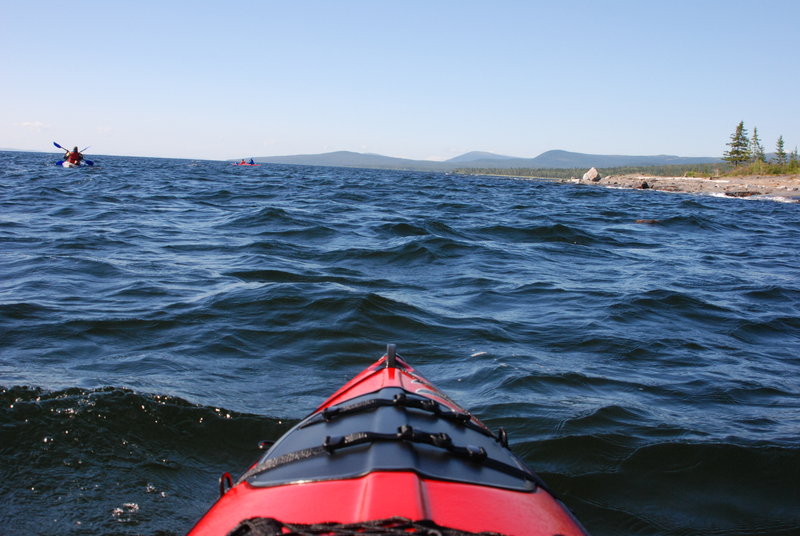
x=592 y=175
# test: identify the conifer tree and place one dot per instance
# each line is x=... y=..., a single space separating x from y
x=780 y=154
x=756 y=149
x=739 y=151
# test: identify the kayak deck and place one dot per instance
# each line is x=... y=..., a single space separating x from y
x=386 y=444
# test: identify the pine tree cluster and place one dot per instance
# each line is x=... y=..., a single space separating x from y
x=748 y=150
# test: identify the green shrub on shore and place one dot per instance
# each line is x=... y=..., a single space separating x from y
x=792 y=167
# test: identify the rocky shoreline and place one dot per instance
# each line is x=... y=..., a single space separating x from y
x=777 y=187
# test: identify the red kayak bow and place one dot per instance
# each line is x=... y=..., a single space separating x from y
x=389 y=453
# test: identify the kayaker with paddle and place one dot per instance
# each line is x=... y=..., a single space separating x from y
x=74 y=156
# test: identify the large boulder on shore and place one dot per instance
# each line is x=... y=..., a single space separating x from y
x=592 y=175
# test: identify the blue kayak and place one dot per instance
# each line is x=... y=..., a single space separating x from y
x=64 y=163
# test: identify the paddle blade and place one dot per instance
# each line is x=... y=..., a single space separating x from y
x=57 y=145
x=88 y=162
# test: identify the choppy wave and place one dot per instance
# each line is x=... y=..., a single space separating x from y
x=114 y=461
x=160 y=317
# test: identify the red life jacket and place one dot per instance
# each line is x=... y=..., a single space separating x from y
x=74 y=158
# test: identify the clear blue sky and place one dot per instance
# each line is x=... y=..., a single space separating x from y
x=410 y=78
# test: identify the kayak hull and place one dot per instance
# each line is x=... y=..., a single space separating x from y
x=384 y=495
x=390 y=444
x=64 y=163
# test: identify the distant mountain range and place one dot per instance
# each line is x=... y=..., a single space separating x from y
x=482 y=160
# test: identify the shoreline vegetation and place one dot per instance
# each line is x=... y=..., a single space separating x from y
x=746 y=171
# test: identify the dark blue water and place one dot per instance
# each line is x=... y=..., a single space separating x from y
x=160 y=317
